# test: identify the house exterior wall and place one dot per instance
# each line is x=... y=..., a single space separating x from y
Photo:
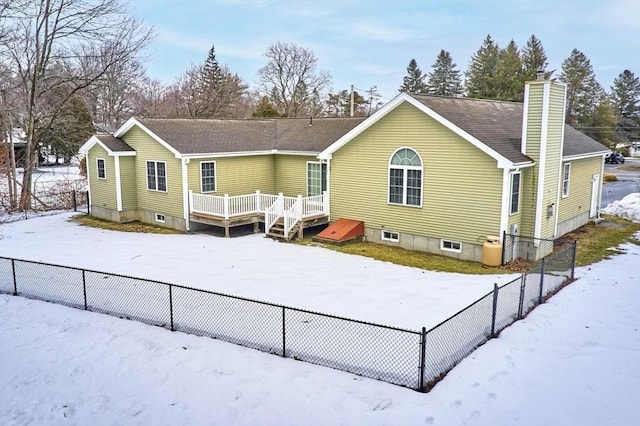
x=103 y=191
x=150 y=202
x=236 y=175
x=462 y=186
x=573 y=210
x=291 y=174
x=128 y=188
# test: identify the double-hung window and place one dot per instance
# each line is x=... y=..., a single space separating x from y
x=566 y=173
x=101 y=168
x=515 y=193
x=316 y=178
x=405 y=178
x=208 y=176
x=157 y=176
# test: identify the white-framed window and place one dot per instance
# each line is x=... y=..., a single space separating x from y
x=405 y=178
x=514 y=205
x=316 y=178
x=566 y=174
x=454 y=246
x=208 y=176
x=157 y=176
x=101 y=168
x=160 y=218
x=390 y=236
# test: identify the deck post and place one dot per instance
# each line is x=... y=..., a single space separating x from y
x=225 y=206
x=325 y=203
x=258 y=206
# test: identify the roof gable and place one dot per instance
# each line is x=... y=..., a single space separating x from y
x=495 y=127
x=111 y=144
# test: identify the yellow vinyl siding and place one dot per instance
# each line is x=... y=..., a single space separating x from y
x=462 y=187
x=170 y=202
x=579 y=199
x=236 y=175
x=127 y=172
x=291 y=174
x=103 y=191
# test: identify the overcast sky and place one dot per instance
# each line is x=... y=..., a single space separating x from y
x=370 y=42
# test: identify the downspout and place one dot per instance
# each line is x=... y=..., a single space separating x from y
x=185 y=193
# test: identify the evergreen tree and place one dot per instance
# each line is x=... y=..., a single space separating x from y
x=508 y=78
x=583 y=90
x=625 y=94
x=413 y=82
x=602 y=125
x=534 y=59
x=481 y=74
x=265 y=108
x=445 y=79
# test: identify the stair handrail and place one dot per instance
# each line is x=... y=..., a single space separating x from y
x=272 y=213
x=292 y=216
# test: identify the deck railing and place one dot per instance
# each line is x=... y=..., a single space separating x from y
x=291 y=209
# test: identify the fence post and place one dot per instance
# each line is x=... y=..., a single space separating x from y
x=423 y=350
x=171 y=305
x=523 y=280
x=15 y=283
x=258 y=206
x=542 y=267
x=75 y=201
x=284 y=334
x=495 y=308
x=504 y=247
x=573 y=258
x=84 y=289
x=225 y=207
x=88 y=203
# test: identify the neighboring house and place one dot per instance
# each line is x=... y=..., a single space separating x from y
x=427 y=173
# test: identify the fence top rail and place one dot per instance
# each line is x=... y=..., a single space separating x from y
x=214 y=293
x=471 y=305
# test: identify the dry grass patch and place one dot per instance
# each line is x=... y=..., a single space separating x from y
x=598 y=242
x=595 y=243
x=94 y=222
x=610 y=177
x=629 y=168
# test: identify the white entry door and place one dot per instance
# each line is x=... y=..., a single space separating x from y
x=595 y=185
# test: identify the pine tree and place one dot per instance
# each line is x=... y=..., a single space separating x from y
x=413 y=82
x=481 y=74
x=583 y=90
x=445 y=79
x=625 y=93
x=265 y=109
x=534 y=59
x=509 y=82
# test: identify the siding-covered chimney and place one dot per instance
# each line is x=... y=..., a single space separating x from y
x=542 y=140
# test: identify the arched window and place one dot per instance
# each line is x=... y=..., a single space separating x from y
x=405 y=178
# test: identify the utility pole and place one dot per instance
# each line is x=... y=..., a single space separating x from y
x=351 y=103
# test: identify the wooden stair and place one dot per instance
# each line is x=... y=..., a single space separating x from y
x=277 y=231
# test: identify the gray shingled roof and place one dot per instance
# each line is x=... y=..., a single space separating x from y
x=498 y=124
x=114 y=144
x=200 y=136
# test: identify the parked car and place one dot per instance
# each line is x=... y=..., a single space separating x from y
x=614 y=158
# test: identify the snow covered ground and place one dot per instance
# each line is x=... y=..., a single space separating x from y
x=628 y=207
x=574 y=360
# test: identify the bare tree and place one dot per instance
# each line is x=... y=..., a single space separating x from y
x=290 y=80
x=51 y=39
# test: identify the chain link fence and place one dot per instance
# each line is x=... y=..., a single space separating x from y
x=516 y=247
x=410 y=358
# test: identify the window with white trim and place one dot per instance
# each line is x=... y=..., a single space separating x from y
x=316 y=178
x=405 y=178
x=515 y=193
x=208 y=176
x=101 y=168
x=454 y=246
x=160 y=218
x=390 y=236
x=566 y=174
x=157 y=176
